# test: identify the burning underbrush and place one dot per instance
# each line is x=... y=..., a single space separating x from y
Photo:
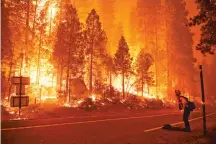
x=106 y=101
x=131 y=102
x=114 y=98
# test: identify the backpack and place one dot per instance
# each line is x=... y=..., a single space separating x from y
x=191 y=106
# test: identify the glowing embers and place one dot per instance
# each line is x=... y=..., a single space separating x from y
x=93 y=97
x=74 y=103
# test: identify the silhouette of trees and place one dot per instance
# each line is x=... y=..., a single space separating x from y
x=80 y=50
x=143 y=63
x=123 y=61
x=110 y=68
x=69 y=51
x=6 y=49
x=207 y=19
x=96 y=41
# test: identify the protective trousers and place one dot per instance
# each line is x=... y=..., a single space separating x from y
x=185 y=118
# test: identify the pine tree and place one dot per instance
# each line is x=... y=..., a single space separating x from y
x=40 y=38
x=96 y=39
x=123 y=61
x=6 y=49
x=17 y=23
x=110 y=67
x=150 y=26
x=68 y=51
x=143 y=63
x=206 y=18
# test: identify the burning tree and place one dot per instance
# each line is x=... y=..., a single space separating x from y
x=6 y=51
x=40 y=28
x=96 y=39
x=123 y=61
x=69 y=51
x=143 y=63
x=110 y=67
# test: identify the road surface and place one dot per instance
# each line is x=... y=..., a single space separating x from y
x=129 y=128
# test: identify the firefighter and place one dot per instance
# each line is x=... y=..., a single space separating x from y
x=183 y=104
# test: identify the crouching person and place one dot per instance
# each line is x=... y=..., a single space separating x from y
x=188 y=106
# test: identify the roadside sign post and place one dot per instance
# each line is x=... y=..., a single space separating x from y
x=203 y=101
x=15 y=101
x=20 y=99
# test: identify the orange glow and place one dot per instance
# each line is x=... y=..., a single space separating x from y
x=52 y=11
x=42 y=76
x=130 y=87
x=44 y=98
x=44 y=80
x=93 y=97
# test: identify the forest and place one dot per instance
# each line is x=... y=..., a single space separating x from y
x=74 y=48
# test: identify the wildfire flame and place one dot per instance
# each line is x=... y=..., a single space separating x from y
x=45 y=79
x=93 y=97
x=130 y=87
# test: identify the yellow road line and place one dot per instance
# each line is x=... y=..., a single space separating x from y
x=157 y=128
x=84 y=122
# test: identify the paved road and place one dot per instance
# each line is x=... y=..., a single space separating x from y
x=104 y=129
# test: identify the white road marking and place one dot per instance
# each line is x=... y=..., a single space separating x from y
x=157 y=128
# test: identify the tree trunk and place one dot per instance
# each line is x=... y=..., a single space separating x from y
x=53 y=78
x=38 y=63
x=142 y=84
x=68 y=70
x=27 y=34
x=35 y=13
x=61 y=73
x=110 y=82
x=156 y=51
x=169 y=80
x=123 y=84
x=9 y=78
x=90 y=76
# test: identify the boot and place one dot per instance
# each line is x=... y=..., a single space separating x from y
x=187 y=129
